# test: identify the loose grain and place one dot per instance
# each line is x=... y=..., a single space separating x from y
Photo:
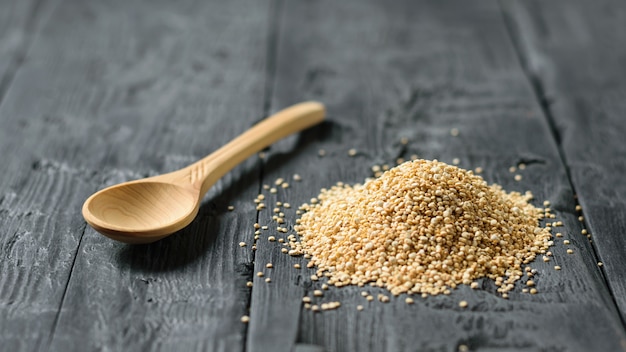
x=421 y=227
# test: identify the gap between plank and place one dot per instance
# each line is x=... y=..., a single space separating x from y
x=67 y=284
x=539 y=93
x=271 y=54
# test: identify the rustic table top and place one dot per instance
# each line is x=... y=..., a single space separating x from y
x=93 y=93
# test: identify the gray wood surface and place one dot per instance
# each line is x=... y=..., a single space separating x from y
x=417 y=69
x=113 y=91
x=94 y=93
x=572 y=56
x=18 y=20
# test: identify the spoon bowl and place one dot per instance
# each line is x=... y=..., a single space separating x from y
x=150 y=210
x=147 y=210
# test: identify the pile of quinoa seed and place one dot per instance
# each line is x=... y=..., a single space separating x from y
x=420 y=227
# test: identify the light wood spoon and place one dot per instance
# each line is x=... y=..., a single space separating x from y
x=147 y=210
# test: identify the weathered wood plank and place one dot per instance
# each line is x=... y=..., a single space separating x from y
x=113 y=91
x=416 y=69
x=18 y=22
x=575 y=55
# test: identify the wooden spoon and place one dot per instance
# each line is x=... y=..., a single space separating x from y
x=147 y=210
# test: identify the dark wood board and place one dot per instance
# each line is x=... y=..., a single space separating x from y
x=18 y=22
x=94 y=93
x=581 y=45
x=112 y=91
x=416 y=69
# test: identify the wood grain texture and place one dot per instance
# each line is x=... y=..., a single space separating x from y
x=416 y=69
x=18 y=23
x=113 y=91
x=571 y=53
x=96 y=93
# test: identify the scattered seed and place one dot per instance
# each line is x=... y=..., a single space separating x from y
x=321 y=152
x=359 y=307
x=456 y=161
x=570 y=251
x=231 y=207
x=518 y=177
x=324 y=287
x=271 y=238
x=245 y=319
x=242 y=244
x=478 y=170
x=249 y=283
x=352 y=152
x=314 y=278
x=409 y=300
x=297 y=177
x=260 y=274
x=530 y=283
x=454 y=132
x=269 y=265
x=584 y=231
x=557 y=267
x=600 y=264
x=512 y=169
x=533 y=291
x=463 y=304
x=318 y=293
x=579 y=208
x=521 y=166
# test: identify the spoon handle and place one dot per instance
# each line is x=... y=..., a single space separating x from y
x=295 y=118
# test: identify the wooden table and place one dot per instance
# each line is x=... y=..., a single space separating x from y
x=93 y=93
